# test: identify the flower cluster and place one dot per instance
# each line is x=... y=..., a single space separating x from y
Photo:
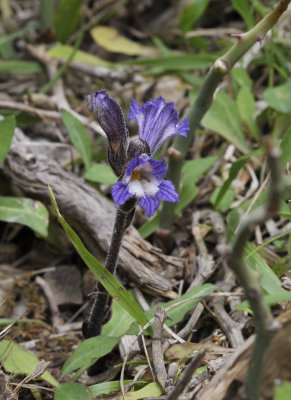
x=141 y=175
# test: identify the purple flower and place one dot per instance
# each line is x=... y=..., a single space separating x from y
x=157 y=121
x=141 y=175
x=143 y=179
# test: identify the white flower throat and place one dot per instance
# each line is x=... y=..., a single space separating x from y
x=142 y=181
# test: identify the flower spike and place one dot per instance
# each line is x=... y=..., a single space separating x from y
x=141 y=177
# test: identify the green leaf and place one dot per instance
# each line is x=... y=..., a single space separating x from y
x=164 y=50
x=233 y=172
x=88 y=353
x=233 y=217
x=184 y=304
x=271 y=299
x=7 y=126
x=245 y=10
x=107 y=387
x=285 y=211
x=188 y=194
x=241 y=76
x=100 y=173
x=223 y=118
x=192 y=13
x=246 y=105
x=175 y=62
x=110 y=39
x=15 y=360
x=194 y=296
x=225 y=202
x=63 y=52
x=150 y=226
x=268 y=279
x=279 y=97
x=151 y=390
x=67 y=17
x=20 y=67
x=110 y=283
x=78 y=136
x=70 y=391
x=286 y=147
x=194 y=169
x=119 y=322
x=283 y=392
x=25 y=211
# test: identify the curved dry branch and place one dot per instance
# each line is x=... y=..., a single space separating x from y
x=32 y=169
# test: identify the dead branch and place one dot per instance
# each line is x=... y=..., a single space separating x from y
x=90 y=213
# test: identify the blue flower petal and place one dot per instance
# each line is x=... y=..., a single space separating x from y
x=183 y=127
x=149 y=205
x=167 y=192
x=159 y=168
x=120 y=193
x=157 y=121
x=135 y=162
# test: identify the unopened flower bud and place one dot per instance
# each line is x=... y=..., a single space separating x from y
x=110 y=116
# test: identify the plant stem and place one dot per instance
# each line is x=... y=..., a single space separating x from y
x=92 y=327
x=180 y=146
x=203 y=101
x=266 y=326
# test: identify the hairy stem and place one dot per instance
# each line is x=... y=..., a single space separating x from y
x=266 y=326
x=92 y=327
x=204 y=99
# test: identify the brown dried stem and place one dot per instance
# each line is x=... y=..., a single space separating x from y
x=266 y=326
x=158 y=358
x=186 y=375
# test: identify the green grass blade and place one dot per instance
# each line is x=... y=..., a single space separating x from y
x=20 y=67
x=7 y=127
x=78 y=136
x=110 y=283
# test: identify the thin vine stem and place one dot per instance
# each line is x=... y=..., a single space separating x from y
x=221 y=67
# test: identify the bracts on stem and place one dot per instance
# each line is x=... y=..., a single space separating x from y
x=140 y=176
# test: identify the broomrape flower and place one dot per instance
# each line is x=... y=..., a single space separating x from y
x=142 y=176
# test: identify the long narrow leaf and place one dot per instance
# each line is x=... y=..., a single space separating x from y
x=110 y=283
x=79 y=136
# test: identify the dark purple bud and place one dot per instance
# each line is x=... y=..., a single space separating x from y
x=110 y=116
x=138 y=146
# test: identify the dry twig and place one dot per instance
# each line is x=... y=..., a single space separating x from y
x=266 y=326
x=158 y=358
